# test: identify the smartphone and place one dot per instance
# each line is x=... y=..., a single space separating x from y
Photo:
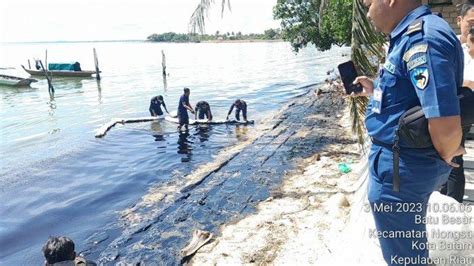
x=348 y=74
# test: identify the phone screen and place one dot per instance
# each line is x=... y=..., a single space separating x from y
x=348 y=75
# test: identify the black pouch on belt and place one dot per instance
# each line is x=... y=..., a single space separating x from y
x=413 y=129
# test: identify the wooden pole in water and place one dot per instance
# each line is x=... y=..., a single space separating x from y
x=46 y=59
x=48 y=78
x=163 y=65
x=163 y=62
x=96 y=62
x=29 y=65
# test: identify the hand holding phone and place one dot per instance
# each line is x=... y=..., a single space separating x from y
x=367 y=86
x=349 y=74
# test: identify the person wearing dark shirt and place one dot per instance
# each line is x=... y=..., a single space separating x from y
x=240 y=105
x=59 y=251
x=155 y=106
x=183 y=108
x=203 y=109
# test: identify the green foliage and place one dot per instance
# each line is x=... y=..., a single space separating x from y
x=270 y=34
x=197 y=22
x=322 y=23
x=171 y=37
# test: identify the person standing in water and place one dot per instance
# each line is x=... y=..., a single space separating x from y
x=183 y=107
x=203 y=109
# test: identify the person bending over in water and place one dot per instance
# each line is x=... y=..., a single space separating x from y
x=203 y=109
x=155 y=106
x=240 y=105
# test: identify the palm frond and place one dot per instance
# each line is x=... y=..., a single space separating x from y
x=367 y=53
x=223 y=7
x=197 y=22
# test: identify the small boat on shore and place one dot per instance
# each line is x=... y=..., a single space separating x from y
x=15 y=81
x=62 y=73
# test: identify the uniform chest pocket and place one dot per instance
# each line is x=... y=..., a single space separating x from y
x=388 y=85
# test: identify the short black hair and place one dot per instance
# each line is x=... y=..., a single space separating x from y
x=58 y=249
x=186 y=90
x=466 y=7
x=160 y=97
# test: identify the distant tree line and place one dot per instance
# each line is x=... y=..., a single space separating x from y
x=270 y=34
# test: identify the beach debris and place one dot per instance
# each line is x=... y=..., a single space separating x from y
x=200 y=238
x=335 y=203
x=344 y=168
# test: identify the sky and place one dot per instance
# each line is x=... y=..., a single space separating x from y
x=86 y=20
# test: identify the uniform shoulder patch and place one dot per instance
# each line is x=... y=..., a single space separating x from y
x=417 y=61
x=420 y=77
x=418 y=48
x=415 y=26
x=389 y=67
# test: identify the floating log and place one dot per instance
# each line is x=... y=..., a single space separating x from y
x=207 y=122
x=102 y=131
x=105 y=128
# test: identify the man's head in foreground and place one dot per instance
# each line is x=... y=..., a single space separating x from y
x=58 y=249
x=386 y=14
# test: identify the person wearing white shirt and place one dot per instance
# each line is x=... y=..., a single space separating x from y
x=469 y=60
x=455 y=186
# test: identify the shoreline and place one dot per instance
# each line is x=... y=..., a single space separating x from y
x=224 y=191
x=309 y=207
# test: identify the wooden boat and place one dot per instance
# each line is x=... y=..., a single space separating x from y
x=15 y=81
x=61 y=73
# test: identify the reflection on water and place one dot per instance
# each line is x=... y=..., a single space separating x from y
x=99 y=91
x=241 y=132
x=203 y=132
x=157 y=131
x=51 y=103
x=185 y=146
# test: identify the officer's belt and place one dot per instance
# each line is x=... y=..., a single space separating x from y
x=396 y=161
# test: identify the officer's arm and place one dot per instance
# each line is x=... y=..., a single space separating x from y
x=432 y=67
x=446 y=134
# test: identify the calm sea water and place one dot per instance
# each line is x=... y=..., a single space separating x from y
x=58 y=179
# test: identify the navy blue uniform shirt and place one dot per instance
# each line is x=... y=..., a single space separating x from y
x=424 y=66
x=182 y=101
x=155 y=106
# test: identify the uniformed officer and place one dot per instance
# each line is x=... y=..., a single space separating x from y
x=424 y=66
